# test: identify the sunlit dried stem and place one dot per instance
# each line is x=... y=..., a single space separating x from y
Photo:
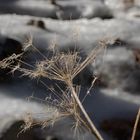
x=92 y=126
x=135 y=125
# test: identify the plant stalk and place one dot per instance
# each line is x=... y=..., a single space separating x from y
x=92 y=126
x=135 y=125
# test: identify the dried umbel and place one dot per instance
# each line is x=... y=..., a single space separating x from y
x=62 y=67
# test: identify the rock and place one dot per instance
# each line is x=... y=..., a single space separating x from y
x=119 y=4
x=68 y=10
x=37 y=23
x=86 y=34
x=13 y=110
x=84 y=9
x=14 y=132
x=134 y=12
x=67 y=131
x=65 y=10
x=32 y=7
x=119 y=72
x=120 y=128
x=97 y=10
x=8 y=46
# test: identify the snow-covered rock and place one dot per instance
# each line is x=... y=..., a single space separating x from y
x=119 y=66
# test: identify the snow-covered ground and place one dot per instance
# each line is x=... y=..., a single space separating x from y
x=116 y=94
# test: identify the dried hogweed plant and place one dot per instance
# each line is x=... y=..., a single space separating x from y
x=63 y=67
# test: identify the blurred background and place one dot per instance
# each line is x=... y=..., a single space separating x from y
x=68 y=24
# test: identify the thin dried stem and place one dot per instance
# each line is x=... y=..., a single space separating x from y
x=88 y=60
x=92 y=126
x=88 y=91
x=135 y=125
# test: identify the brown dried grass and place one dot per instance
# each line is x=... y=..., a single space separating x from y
x=62 y=67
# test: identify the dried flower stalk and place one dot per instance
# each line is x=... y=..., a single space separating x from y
x=62 y=67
